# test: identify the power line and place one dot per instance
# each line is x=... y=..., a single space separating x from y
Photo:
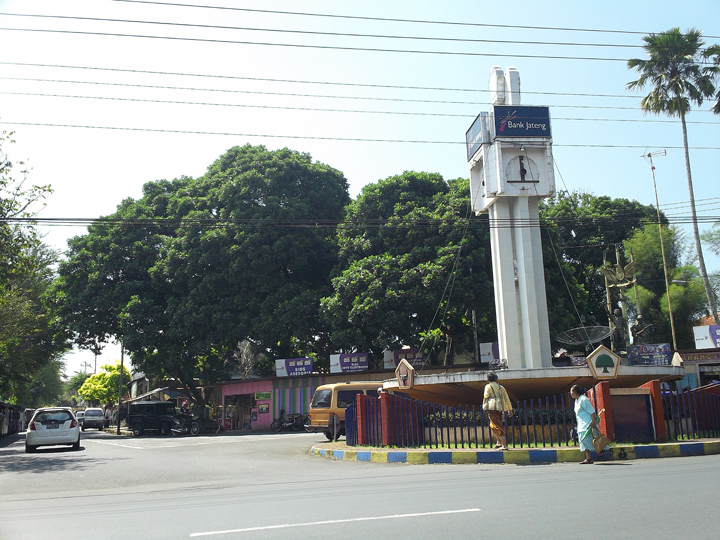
x=318 y=33
x=307 y=46
x=311 y=137
x=318 y=109
x=381 y=19
x=296 y=81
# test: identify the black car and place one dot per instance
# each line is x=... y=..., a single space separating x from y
x=151 y=415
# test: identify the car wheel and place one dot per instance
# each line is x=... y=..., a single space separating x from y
x=329 y=436
x=165 y=428
x=334 y=425
x=76 y=446
x=83 y=428
x=101 y=428
x=29 y=449
x=138 y=430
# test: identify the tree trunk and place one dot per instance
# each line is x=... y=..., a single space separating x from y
x=696 y=232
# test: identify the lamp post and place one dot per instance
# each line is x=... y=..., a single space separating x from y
x=662 y=244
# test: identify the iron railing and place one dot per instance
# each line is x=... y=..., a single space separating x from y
x=536 y=423
x=691 y=415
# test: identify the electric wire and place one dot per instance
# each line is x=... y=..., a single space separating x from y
x=314 y=137
x=318 y=33
x=321 y=109
x=383 y=19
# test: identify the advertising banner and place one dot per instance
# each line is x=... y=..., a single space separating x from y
x=516 y=121
x=707 y=337
x=414 y=357
x=292 y=367
x=349 y=363
x=658 y=354
x=477 y=135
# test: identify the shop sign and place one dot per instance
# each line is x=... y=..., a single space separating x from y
x=292 y=367
x=349 y=363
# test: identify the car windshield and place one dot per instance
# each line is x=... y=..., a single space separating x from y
x=167 y=408
x=93 y=413
x=321 y=399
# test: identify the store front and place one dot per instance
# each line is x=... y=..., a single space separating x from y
x=247 y=405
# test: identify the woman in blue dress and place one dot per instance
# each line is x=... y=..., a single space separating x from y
x=586 y=422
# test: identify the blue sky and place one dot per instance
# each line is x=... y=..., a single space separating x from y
x=599 y=132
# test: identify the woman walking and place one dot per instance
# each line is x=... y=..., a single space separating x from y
x=586 y=423
x=495 y=402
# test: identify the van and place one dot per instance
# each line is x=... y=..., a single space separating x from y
x=327 y=410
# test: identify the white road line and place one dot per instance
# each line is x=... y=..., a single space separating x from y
x=333 y=521
x=115 y=444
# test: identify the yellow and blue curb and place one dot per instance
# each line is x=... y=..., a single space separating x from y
x=516 y=456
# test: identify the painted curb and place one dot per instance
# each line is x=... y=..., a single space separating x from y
x=519 y=456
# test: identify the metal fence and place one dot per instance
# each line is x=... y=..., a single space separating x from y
x=413 y=424
x=536 y=423
x=691 y=415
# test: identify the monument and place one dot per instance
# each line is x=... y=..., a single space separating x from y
x=511 y=170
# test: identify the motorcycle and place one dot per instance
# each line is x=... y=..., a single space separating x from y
x=294 y=421
x=183 y=424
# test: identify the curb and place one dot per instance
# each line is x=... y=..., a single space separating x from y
x=519 y=456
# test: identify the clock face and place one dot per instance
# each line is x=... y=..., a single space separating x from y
x=522 y=169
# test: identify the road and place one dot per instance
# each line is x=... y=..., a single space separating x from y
x=267 y=487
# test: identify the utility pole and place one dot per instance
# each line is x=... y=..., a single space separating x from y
x=662 y=244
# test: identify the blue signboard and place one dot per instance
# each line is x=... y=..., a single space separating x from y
x=477 y=135
x=516 y=121
x=291 y=367
x=349 y=363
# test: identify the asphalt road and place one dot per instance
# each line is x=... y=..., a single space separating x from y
x=266 y=486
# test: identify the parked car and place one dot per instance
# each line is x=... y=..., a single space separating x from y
x=94 y=418
x=327 y=410
x=151 y=416
x=80 y=415
x=52 y=426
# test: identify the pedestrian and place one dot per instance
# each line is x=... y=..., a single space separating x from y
x=496 y=402
x=587 y=421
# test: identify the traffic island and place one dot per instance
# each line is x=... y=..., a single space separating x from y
x=520 y=456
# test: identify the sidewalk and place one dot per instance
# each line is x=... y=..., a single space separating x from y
x=519 y=456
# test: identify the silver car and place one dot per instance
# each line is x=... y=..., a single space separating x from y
x=52 y=426
x=94 y=418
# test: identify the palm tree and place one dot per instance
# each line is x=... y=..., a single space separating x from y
x=674 y=67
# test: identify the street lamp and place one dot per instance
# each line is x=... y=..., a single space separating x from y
x=650 y=155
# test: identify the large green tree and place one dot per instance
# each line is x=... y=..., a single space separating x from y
x=29 y=338
x=414 y=263
x=675 y=71
x=197 y=266
x=582 y=232
x=102 y=388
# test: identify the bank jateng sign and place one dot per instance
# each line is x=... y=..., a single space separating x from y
x=521 y=121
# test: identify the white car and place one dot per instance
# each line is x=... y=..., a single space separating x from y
x=52 y=426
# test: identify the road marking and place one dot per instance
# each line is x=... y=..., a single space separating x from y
x=333 y=521
x=115 y=444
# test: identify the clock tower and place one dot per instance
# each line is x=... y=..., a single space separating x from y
x=511 y=170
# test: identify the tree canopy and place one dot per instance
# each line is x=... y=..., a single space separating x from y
x=30 y=339
x=413 y=262
x=197 y=266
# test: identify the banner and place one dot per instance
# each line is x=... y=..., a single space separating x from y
x=477 y=135
x=292 y=367
x=707 y=337
x=414 y=357
x=658 y=354
x=349 y=363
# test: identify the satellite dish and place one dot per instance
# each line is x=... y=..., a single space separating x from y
x=584 y=335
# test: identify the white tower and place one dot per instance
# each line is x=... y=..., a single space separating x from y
x=511 y=170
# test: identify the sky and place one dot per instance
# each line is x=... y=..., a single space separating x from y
x=106 y=95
